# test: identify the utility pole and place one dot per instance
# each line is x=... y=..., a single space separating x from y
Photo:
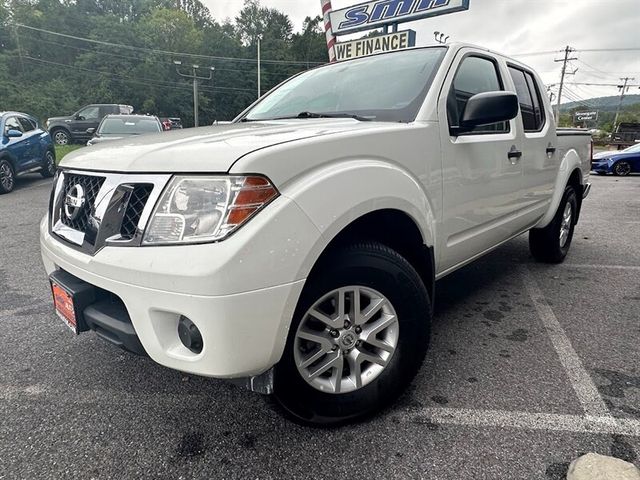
x=194 y=76
x=624 y=88
x=564 y=61
x=259 y=69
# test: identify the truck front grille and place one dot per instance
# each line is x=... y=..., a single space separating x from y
x=91 y=186
x=133 y=213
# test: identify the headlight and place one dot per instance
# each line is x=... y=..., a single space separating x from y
x=200 y=209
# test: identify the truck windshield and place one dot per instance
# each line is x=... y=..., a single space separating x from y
x=387 y=87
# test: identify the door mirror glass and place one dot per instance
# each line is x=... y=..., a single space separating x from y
x=488 y=108
x=14 y=133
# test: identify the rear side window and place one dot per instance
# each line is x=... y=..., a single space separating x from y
x=529 y=99
x=27 y=125
x=475 y=75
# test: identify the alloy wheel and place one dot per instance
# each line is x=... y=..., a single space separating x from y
x=622 y=169
x=61 y=138
x=565 y=226
x=6 y=176
x=346 y=339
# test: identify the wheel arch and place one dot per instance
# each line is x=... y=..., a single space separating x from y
x=569 y=173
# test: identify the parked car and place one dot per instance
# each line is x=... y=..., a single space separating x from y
x=65 y=130
x=626 y=135
x=171 y=123
x=24 y=148
x=620 y=162
x=117 y=127
x=296 y=251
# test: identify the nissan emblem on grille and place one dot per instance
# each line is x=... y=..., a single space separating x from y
x=74 y=202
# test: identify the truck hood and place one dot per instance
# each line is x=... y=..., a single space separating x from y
x=207 y=149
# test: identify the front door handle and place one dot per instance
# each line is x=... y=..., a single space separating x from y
x=551 y=150
x=514 y=155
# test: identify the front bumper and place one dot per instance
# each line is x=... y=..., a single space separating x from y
x=243 y=333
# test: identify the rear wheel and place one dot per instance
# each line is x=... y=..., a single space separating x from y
x=551 y=244
x=359 y=335
x=7 y=177
x=49 y=165
x=622 y=169
x=61 y=137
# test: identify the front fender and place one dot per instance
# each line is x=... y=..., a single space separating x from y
x=335 y=195
x=570 y=163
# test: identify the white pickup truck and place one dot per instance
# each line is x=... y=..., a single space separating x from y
x=297 y=249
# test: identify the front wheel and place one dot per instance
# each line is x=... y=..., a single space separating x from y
x=359 y=335
x=61 y=137
x=622 y=169
x=49 y=165
x=551 y=244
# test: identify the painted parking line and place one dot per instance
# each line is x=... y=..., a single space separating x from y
x=524 y=421
x=582 y=384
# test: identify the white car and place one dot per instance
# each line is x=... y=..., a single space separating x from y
x=297 y=250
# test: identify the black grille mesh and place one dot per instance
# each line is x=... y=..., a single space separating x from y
x=137 y=202
x=91 y=186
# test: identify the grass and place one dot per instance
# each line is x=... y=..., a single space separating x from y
x=62 y=150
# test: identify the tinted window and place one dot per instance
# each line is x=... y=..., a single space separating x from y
x=475 y=75
x=387 y=87
x=538 y=104
x=27 y=125
x=12 y=124
x=90 y=113
x=524 y=97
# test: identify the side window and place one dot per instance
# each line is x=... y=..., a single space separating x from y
x=90 y=113
x=538 y=104
x=529 y=98
x=27 y=125
x=475 y=75
x=12 y=124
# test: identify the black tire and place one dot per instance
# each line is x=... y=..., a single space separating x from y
x=377 y=267
x=61 y=137
x=49 y=164
x=622 y=168
x=7 y=176
x=545 y=243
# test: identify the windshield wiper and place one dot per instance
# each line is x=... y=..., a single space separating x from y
x=313 y=115
x=330 y=115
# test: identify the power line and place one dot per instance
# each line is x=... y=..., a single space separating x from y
x=564 y=61
x=165 y=52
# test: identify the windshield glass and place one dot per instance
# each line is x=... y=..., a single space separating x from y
x=128 y=126
x=635 y=148
x=388 y=87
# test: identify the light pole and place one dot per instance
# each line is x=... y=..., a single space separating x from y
x=194 y=76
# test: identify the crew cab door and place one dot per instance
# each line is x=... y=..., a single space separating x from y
x=482 y=172
x=18 y=147
x=88 y=117
x=540 y=158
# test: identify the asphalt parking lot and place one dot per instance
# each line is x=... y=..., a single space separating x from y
x=530 y=366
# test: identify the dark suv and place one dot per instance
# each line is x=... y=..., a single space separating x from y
x=73 y=128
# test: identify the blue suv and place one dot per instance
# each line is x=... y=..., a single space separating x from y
x=24 y=148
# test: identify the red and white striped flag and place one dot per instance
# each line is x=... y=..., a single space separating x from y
x=331 y=39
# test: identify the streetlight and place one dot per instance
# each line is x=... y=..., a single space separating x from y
x=194 y=76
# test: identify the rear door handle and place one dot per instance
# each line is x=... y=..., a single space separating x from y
x=551 y=150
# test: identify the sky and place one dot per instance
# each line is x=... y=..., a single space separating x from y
x=519 y=27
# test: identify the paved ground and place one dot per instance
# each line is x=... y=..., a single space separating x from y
x=530 y=367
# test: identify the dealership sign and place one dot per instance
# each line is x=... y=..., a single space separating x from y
x=586 y=116
x=372 y=45
x=378 y=13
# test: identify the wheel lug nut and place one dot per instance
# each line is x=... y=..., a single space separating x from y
x=334 y=348
x=358 y=343
x=335 y=333
x=347 y=324
x=358 y=330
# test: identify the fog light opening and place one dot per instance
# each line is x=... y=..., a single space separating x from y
x=189 y=335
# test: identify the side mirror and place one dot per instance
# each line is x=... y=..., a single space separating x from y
x=487 y=108
x=91 y=131
x=14 y=133
x=79 y=117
